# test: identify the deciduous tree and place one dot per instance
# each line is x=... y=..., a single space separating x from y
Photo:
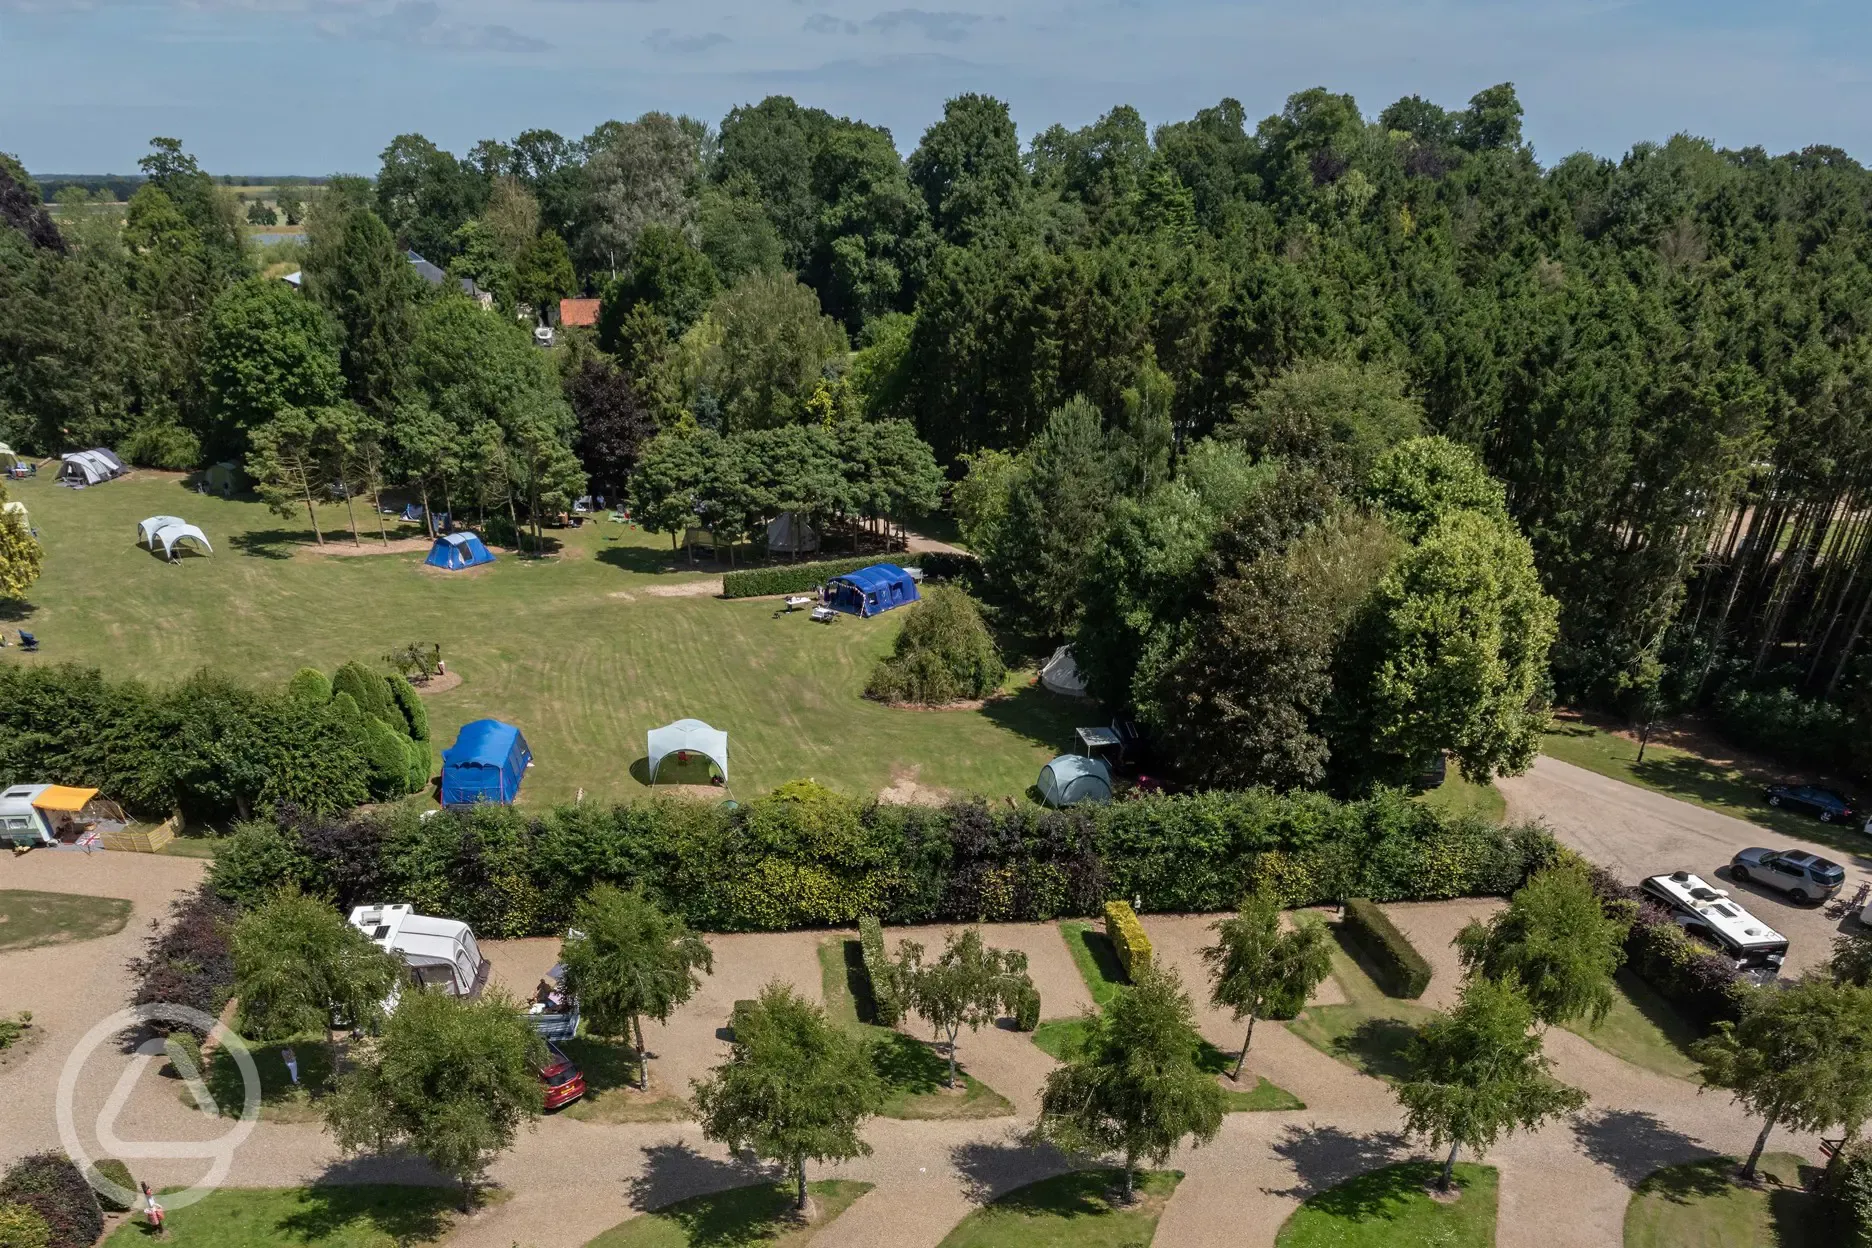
x=967 y=985
x=1557 y=940
x=1256 y=965
x=297 y=962
x=631 y=960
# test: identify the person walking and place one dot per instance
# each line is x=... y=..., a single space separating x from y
x=292 y=1063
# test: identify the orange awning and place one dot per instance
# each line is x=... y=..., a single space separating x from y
x=59 y=797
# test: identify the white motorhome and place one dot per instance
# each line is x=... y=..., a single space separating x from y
x=1712 y=915
x=440 y=953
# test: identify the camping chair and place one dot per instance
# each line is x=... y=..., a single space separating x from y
x=28 y=642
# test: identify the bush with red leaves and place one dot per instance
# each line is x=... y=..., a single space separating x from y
x=188 y=961
x=52 y=1187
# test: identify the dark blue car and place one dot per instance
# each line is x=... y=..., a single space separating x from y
x=1825 y=804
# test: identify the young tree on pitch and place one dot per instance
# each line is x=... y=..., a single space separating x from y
x=794 y=1089
x=632 y=960
x=292 y=459
x=297 y=961
x=968 y=984
x=1800 y=1057
x=20 y=555
x=452 y=1079
x=1555 y=939
x=1256 y=965
x=1134 y=1088
x=1480 y=1072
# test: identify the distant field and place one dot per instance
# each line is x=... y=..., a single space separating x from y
x=584 y=651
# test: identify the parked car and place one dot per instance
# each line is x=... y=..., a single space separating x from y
x=564 y=1082
x=1804 y=877
x=1713 y=917
x=1827 y=805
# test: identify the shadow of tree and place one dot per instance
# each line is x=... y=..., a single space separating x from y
x=676 y=1172
x=1633 y=1144
x=403 y=1215
x=642 y=560
x=1378 y=1046
x=1380 y=1194
x=1326 y=1155
x=15 y=609
x=605 y=1064
x=1040 y=717
x=269 y=543
x=697 y=770
x=991 y=1168
x=1697 y=1180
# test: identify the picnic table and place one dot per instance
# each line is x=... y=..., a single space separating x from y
x=1097 y=738
x=795 y=601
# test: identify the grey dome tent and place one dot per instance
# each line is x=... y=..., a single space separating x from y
x=1073 y=778
x=688 y=736
x=92 y=467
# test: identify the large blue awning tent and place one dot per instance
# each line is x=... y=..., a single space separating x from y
x=455 y=551
x=485 y=764
x=1073 y=778
x=871 y=590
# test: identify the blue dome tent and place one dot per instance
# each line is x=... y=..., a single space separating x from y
x=485 y=764
x=871 y=591
x=455 y=551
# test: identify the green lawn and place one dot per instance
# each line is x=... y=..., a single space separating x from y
x=326 y=1217
x=741 y=1217
x=1701 y=1206
x=1643 y=1029
x=1098 y=964
x=1692 y=779
x=1370 y=1030
x=915 y=1073
x=1391 y=1208
x=576 y=649
x=611 y=1094
x=280 y=1100
x=1076 y=1210
x=1458 y=796
x=29 y=918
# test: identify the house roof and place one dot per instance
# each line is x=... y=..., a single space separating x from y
x=578 y=311
x=428 y=272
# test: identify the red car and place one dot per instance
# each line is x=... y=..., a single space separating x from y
x=564 y=1082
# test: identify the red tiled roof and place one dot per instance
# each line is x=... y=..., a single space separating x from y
x=578 y=311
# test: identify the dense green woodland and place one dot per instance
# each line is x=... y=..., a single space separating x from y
x=1210 y=397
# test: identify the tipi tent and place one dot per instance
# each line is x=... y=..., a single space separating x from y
x=1061 y=675
x=455 y=551
x=789 y=534
x=1073 y=778
x=485 y=764
x=688 y=736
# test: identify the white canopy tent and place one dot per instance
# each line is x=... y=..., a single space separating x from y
x=7 y=456
x=181 y=533
x=1061 y=675
x=148 y=529
x=688 y=736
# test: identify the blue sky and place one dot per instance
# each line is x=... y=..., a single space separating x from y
x=319 y=86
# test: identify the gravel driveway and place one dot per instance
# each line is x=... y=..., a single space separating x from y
x=1636 y=832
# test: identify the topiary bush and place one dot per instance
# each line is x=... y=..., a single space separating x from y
x=310 y=686
x=1127 y=936
x=409 y=704
x=943 y=654
x=52 y=1187
x=117 y=1172
x=387 y=752
x=366 y=688
x=1401 y=970
x=421 y=766
x=886 y=1003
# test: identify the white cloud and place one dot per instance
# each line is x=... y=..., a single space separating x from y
x=669 y=43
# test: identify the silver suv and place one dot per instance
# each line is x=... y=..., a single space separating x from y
x=1804 y=877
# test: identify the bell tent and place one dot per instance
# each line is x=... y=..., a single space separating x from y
x=454 y=551
x=789 y=534
x=1074 y=778
x=485 y=764
x=685 y=737
x=1061 y=675
x=871 y=591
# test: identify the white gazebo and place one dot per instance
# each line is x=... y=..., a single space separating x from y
x=166 y=531
x=688 y=736
x=147 y=529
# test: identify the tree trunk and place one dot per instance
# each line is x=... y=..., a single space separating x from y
x=643 y=1057
x=1246 y=1041
x=467 y=1196
x=952 y=1043
x=799 y=1180
x=376 y=498
x=1644 y=739
x=351 y=512
x=1449 y=1169
x=1130 y=1187
x=428 y=519
x=312 y=515
x=1761 y=1142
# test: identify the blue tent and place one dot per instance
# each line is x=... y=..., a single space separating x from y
x=871 y=590
x=485 y=764
x=455 y=551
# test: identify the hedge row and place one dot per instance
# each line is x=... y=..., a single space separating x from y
x=1704 y=986
x=885 y=1005
x=55 y=1189
x=1402 y=971
x=797 y=578
x=804 y=856
x=188 y=961
x=1127 y=937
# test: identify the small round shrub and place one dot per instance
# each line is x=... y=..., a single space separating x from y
x=309 y=685
x=420 y=765
x=118 y=1173
x=409 y=704
x=387 y=752
x=366 y=688
x=1027 y=1009
x=944 y=653
x=22 y=1227
x=346 y=708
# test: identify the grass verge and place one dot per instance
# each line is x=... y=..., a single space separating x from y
x=1460 y=796
x=1700 y=1205
x=914 y=1072
x=1392 y=1208
x=29 y=918
x=1076 y=1210
x=1644 y=1029
x=280 y=1099
x=361 y=1216
x=1369 y=1031
x=611 y=1093
x=741 y=1217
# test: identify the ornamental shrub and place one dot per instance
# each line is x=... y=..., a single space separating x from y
x=1127 y=937
x=366 y=688
x=188 y=961
x=310 y=686
x=1846 y=1192
x=408 y=704
x=117 y=1172
x=797 y=578
x=943 y=654
x=52 y=1187
x=22 y=1227
x=886 y=1003
x=1402 y=971
x=421 y=766
x=386 y=751
x=1026 y=1008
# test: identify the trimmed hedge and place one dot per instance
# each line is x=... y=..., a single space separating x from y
x=1127 y=937
x=797 y=578
x=310 y=686
x=886 y=1005
x=1846 y=1195
x=55 y=1189
x=1402 y=971
x=804 y=856
x=407 y=701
